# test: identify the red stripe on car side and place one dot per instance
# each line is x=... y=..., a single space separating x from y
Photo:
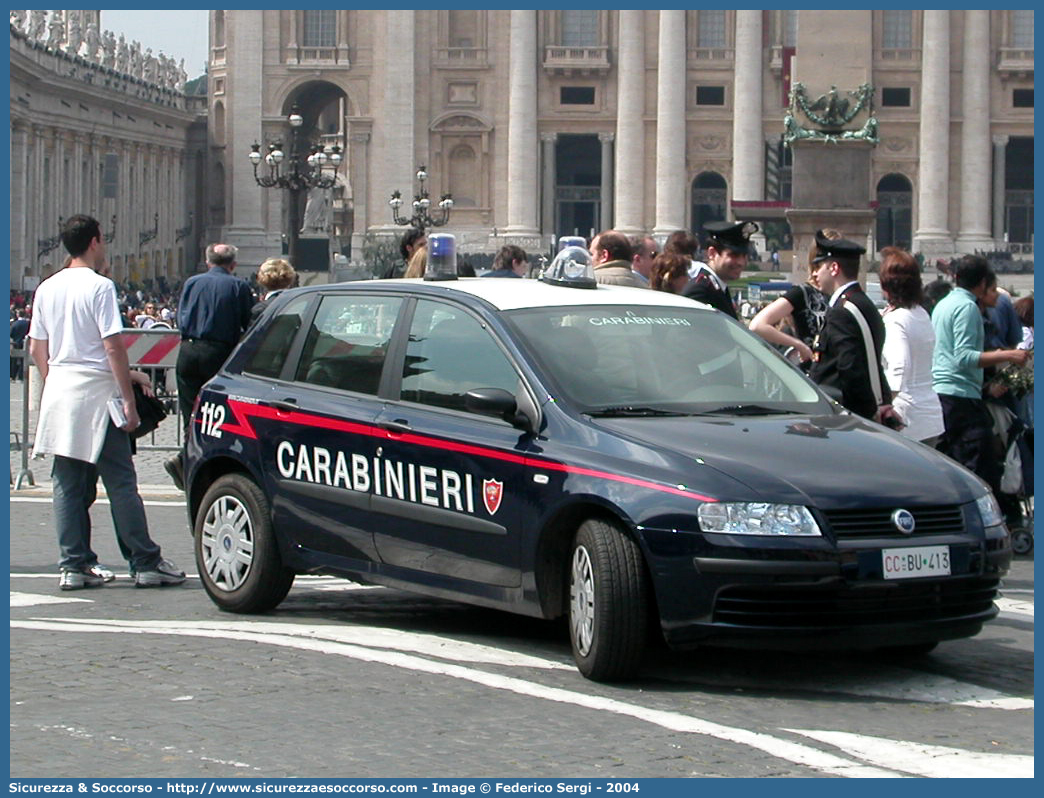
x=243 y=411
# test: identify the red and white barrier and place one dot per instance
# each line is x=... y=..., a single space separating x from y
x=158 y=348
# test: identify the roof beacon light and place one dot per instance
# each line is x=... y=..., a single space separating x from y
x=572 y=268
x=572 y=241
x=442 y=257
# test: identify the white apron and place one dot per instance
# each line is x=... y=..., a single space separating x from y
x=74 y=417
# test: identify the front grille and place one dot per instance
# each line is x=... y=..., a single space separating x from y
x=877 y=522
x=782 y=606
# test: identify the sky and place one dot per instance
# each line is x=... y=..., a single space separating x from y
x=179 y=33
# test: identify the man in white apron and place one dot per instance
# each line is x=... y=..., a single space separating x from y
x=75 y=341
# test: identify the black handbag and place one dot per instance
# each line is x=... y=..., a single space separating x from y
x=150 y=411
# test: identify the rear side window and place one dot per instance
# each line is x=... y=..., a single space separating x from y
x=268 y=358
x=450 y=353
x=348 y=341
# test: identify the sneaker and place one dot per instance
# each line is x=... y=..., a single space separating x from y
x=102 y=572
x=165 y=573
x=172 y=465
x=77 y=579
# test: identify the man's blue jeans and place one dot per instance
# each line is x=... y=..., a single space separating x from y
x=75 y=489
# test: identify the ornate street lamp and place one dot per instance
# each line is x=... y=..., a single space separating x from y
x=298 y=174
x=184 y=232
x=421 y=218
x=45 y=245
x=145 y=236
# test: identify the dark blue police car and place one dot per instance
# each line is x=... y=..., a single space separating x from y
x=625 y=458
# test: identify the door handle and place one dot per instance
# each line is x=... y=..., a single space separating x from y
x=399 y=425
x=285 y=405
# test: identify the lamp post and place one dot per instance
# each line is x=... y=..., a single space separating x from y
x=297 y=175
x=421 y=218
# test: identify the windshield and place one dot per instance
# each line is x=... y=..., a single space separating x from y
x=650 y=360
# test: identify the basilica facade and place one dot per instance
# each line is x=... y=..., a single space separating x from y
x=558 y=122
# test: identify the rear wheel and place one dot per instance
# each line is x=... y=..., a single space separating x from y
x=608 y=602
x=1021 y=541
x=236 y=551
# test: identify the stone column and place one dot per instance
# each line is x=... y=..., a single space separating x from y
x=629 y=186
x=342 y=37
x=1000 y=152
x=547 y=193
x=245 y=202
x=397 y=134
x=607 y=219
x=671 y=174
x=522 y=126
x=974 y=233
x=291 y=38
x=19 y=198
x=932 y=236
x=748 y=148
x=359 y=167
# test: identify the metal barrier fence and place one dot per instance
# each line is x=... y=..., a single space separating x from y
x=153 y=351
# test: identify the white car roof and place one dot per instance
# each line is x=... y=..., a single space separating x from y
x=506 y=293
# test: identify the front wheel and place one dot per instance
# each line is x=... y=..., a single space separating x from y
x=608 y=597
x=236 y=552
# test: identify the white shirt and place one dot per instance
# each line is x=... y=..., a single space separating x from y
x=907 y=361
x=73 y=310
x=703 y=267
x=836 y=295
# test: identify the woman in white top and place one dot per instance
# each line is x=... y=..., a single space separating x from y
x=909 y=343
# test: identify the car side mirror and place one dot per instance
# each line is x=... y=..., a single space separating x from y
x=498 y=403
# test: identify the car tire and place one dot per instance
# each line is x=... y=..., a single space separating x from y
x=236 y=551
x=608 y=602
x=1021 y=541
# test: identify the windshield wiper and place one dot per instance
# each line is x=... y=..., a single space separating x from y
x=632 y=410
x=746 y=410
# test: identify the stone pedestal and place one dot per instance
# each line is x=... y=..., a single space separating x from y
x=831 y=189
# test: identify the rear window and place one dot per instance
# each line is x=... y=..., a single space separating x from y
x=348 y=342
x=270 y=355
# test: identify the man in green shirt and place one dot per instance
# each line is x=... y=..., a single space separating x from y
x=957 y=367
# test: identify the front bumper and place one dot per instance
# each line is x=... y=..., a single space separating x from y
x=818 y=594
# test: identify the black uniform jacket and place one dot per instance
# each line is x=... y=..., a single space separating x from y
x=840 y=353
x=703 y=288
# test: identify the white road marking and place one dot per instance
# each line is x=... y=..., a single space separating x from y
x=1009 y=606
x=373 y=637
x=887 y=683
x=324 y=583
x=787 y=750
x=34 y=599
x=919 y=759
x=48 y=500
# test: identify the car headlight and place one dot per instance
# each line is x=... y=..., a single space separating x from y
x=757 y=518
x=989 y=510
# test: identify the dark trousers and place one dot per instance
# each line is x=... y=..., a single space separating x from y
x=968 y=438
x=198 y=361
x=75 y=489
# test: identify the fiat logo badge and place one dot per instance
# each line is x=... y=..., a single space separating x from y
x=904 y=521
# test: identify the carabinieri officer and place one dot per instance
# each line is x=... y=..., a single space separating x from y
x=728 y=244
x=847 y=352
